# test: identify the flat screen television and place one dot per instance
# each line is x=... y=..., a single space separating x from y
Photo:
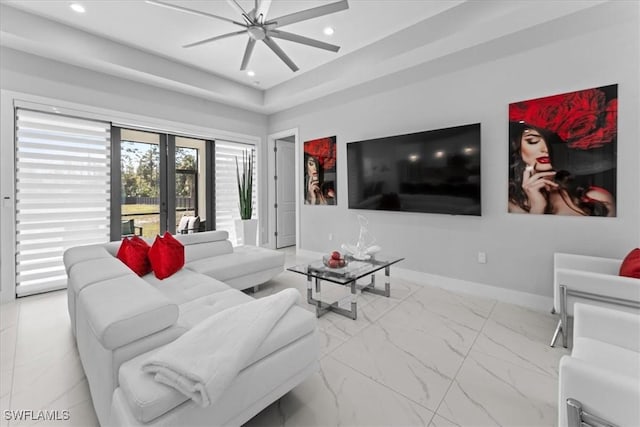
x=435 y=171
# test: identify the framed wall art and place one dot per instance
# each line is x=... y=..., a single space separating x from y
x=562 y=153
x=320 y=171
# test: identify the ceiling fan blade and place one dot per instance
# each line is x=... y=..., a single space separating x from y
x=310 y=13
x=276 y=49
x=302 y=40
x=262 y=9
x=234 y=4
x=191 y=11
x=211 y=39
x=247 y=54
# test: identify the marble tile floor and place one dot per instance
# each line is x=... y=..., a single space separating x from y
x=423 y=357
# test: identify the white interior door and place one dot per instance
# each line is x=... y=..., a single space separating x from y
x=285 y=194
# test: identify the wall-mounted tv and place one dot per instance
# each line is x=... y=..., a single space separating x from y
x=435 y=171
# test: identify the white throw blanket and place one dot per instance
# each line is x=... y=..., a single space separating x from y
x=204 y=361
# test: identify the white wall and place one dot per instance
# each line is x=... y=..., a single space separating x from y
x=593 y=48
x=32 y=75
x=22 y=72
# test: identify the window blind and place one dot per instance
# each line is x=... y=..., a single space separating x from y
x=227 y=199
x=62 y=194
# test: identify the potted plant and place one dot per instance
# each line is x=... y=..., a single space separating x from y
x=246 y=228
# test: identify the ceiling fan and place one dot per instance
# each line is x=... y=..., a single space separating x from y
x=259 y=28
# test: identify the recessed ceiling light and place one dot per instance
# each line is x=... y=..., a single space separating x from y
x=251 y=73
x=328 y=31
x=77 y=7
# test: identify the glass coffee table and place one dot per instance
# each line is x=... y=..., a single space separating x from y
x=346 y=276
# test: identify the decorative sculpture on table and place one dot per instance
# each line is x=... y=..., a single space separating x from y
x=365 y=247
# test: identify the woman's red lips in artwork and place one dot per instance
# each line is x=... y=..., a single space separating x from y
x=544 y=159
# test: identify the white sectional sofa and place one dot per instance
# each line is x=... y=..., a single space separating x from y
x=119 y=319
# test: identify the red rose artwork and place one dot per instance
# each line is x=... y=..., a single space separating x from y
x=562 y=153
x=320 y=171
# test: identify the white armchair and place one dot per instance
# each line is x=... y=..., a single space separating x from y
x=599 y=382
x=592 y=280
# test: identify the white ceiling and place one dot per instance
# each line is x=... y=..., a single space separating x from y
x=163 y=31
x=142 y=42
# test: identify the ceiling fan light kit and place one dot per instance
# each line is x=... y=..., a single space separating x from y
x=258 y=28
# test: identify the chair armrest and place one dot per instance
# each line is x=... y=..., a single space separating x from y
x=587 y=263
x=611 y=326
x=601 y=392
x=609 y=285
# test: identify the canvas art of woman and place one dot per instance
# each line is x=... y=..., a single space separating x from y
x=319 y=171
x=562 y=152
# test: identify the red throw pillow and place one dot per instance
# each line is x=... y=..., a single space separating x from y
x=166 y=256
x=134 y=253
x=630 y=266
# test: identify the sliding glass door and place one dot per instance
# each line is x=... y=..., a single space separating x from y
x=160 y=182
x=190 y=184
x=62 y=194
x=80 y=182
x=227 y=210
x=140 y=183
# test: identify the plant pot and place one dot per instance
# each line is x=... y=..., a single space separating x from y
x=247 y=231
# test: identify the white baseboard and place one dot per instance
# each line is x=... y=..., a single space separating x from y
x=525 y=299
x=535 y=302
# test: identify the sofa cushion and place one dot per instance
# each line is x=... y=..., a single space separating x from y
x=112 y=247
x=183 y=225
x=194 y=224
x=166 y=256
x=630 y=266
x=134 y=253
x=204 y=237
x=86 y=273
x=77 y=254
x=297 y=323
x=244 y=260
x=185 y=285
x=608 y=356
x=149 y=399
x=207 y=250
x=125 y=309
x=95 y=270
x=207 y=244
x=193 y=312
